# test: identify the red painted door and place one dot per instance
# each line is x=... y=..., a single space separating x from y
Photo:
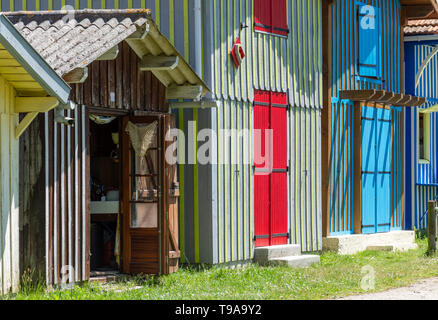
x=271 y=168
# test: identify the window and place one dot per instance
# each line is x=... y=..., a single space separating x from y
x=424 y=137
x=369 y=42
x=271 y=16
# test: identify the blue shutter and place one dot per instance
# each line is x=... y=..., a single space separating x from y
x=369 y=41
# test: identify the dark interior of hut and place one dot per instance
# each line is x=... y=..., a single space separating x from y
x=105 y=176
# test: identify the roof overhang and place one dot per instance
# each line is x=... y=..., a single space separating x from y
x=25 y=69
x=382 y=97
x=159 y=56
x=110 y=28
x=419 y=9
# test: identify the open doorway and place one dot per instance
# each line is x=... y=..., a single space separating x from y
x=133 y=197
x=105 y=189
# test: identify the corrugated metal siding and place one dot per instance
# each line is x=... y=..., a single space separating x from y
x=9 y=190
x=216 y=203
x=343 y=77
x=67 y=200
x=422 y=177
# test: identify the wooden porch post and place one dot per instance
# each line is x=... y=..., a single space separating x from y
x=357 y=195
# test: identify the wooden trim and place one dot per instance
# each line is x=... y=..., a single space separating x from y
x=380 y=96
x=183 y=92
x=86 y=167
x=126 y=191
x=22 y=126
x=159 y=63
x=78 y=75
x=35 y=104
x=108 y=111
x=357 y=195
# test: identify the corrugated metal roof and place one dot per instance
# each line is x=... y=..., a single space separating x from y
x=24 y=68
x=421 y=27
x=73 y=39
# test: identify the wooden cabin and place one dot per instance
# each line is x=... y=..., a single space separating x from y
x=28 y=86
x=421 y=62
x=363 y=119
x=95 y=180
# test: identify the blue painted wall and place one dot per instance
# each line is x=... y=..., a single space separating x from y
x=344 y=76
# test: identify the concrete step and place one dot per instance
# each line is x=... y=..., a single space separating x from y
x=296 y=261
x=352 y=244
x=265 y=254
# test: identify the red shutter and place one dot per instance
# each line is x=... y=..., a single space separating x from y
x=279 y=17
x=262 y=15
x=270 y=189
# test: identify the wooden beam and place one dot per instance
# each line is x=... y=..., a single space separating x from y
x=194 y=105
x=27 y=120
x=78 y=75
x=357 y=171
x=111 y=54
x=158 y=63
x=184 y=92
x=35 y=104
x=361 y=95
x=405 y=101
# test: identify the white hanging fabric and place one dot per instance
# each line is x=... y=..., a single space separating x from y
x=141 y=137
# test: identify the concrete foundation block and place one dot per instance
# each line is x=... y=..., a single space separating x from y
x=351 y=244
x=265 y=254
x=303 y=261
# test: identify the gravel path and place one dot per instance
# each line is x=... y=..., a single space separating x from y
x=423 y=290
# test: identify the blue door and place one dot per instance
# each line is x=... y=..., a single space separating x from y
x=376 y=173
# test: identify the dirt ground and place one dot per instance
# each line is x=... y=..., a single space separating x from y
x=423 y=290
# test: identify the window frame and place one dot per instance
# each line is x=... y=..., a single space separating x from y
x=424 y=131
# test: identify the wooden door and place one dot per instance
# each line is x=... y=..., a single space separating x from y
x=270 y=179
x=141 y=203
x=150 y=203
x=376 y=173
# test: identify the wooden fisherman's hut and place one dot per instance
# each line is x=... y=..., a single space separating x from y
x=225 y=209
x=95 y=180
x=28 y=86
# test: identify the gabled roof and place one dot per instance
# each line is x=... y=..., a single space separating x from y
x=421 y=27
x=25 y=69
x=71 y=40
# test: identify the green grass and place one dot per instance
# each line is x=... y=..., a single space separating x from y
x=336 y=276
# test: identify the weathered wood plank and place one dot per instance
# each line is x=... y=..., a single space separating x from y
x=22 y=126
x=78 y=75
x=35 y=104
x=5 y=201
x=111 y=54
x=158 y=63
x=184 y=92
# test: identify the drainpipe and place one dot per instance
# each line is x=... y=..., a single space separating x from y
x=198 y=37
